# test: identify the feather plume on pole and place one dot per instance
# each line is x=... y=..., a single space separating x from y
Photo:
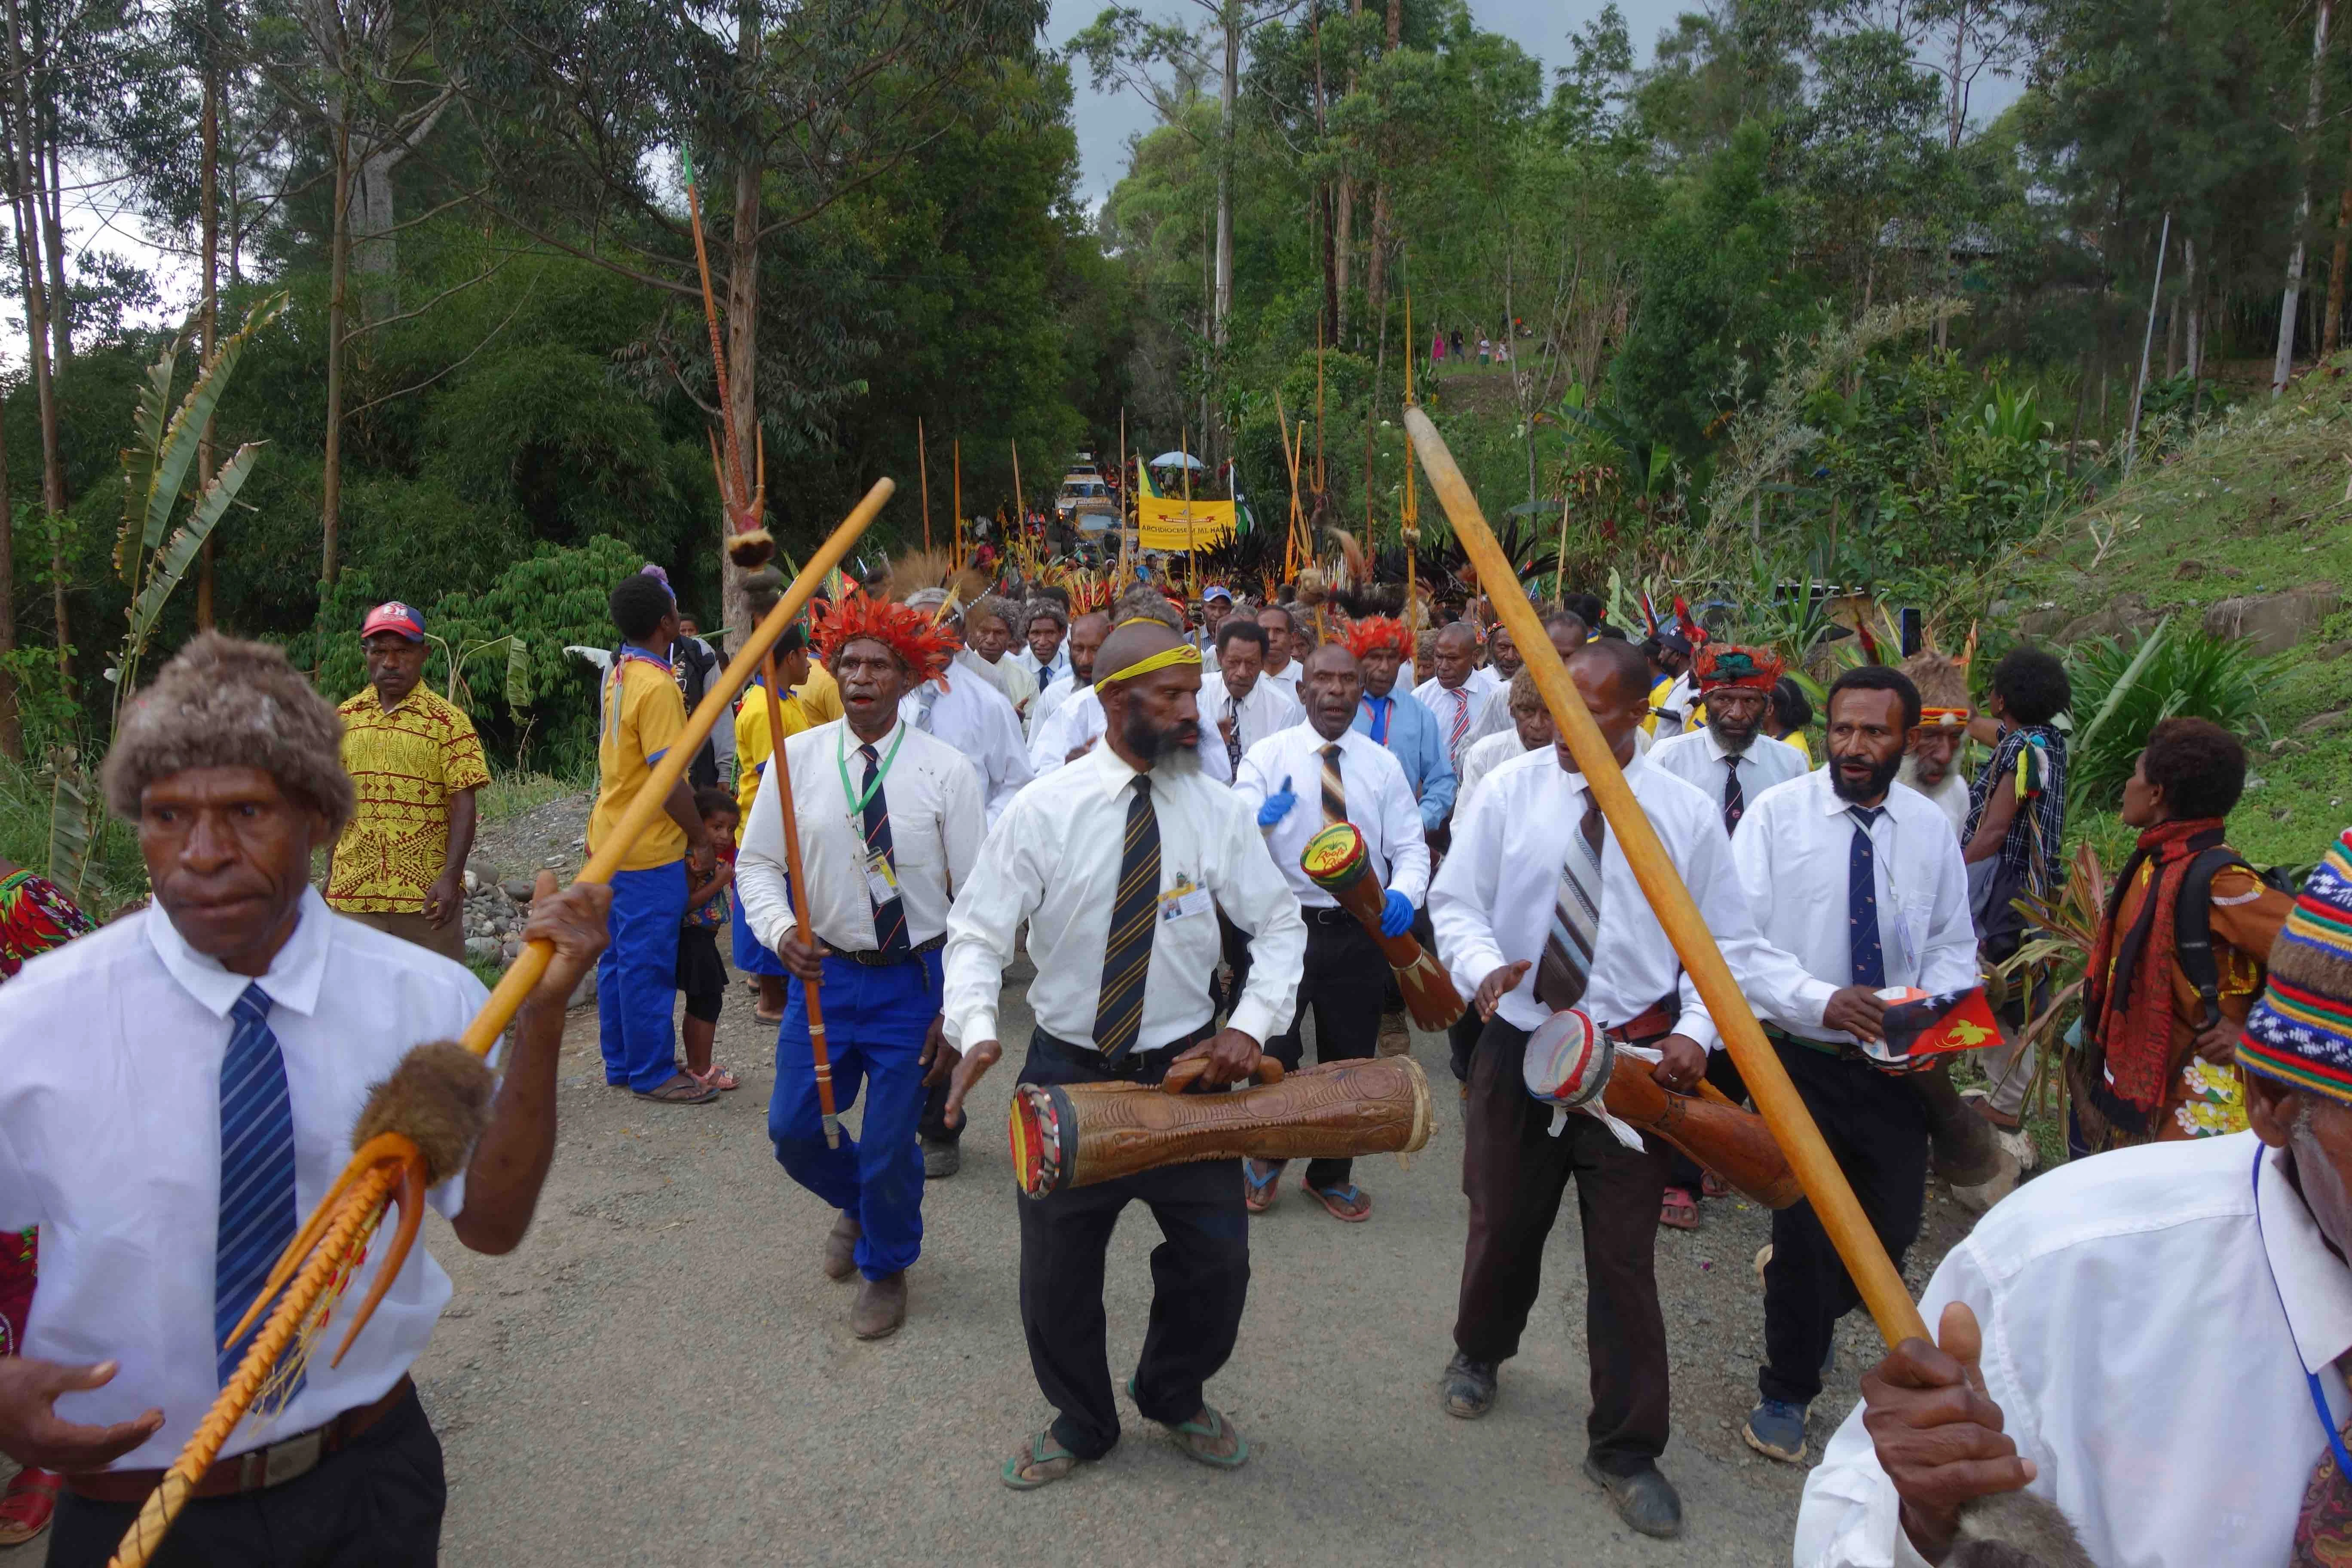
x=418 y=1124
x=749 y=542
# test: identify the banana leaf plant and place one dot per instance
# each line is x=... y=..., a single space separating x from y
x=2049 y=966
x=150 y=554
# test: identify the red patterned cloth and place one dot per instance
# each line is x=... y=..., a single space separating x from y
x=2323 y=1533
x=34 y=916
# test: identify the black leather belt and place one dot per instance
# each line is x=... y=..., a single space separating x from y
x=874 y=958
x=1333 y=915
x=1137 y=1063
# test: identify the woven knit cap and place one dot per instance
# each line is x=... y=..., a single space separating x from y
x=2300 y=1031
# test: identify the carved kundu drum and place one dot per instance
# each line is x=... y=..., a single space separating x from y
x=1074 y=1136
x=1335 y=860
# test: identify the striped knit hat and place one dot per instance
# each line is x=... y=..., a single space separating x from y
x=2300 y=1032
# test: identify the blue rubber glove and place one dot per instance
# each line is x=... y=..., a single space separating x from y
x=1396 y=913
x=1277 y=806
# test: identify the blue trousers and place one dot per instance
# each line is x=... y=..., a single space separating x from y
x=636 y=978
x=874 y=1021
x=750 y=957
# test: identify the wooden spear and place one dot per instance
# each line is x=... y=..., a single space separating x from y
x=799 y=890
x=1875 y=1274
x=334 y=1241
x=1412 y=515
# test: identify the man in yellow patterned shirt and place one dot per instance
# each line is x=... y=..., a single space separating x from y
x=400 y=866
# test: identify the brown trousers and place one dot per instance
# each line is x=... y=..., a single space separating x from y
x=1514 y=1173
x=448 y=941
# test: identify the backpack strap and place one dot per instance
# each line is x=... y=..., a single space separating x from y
x=2192 y=930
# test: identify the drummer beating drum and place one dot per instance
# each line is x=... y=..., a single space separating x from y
x=1118 y=863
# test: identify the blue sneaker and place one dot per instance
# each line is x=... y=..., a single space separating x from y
x=1776 y=1429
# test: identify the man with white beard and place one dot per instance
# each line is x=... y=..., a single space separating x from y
x=1730 y=757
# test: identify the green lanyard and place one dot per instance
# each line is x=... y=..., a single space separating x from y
x=841 y=760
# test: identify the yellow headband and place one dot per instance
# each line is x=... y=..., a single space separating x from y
x=1165 y=658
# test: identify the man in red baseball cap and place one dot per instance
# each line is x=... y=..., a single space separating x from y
x=400 y=866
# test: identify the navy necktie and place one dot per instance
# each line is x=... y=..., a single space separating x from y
x=890 y=919
x=257 y=1213
x=1735 y=799
x=1862 y=900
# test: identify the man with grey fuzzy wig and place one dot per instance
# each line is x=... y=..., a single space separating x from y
x=989 y=628
x=181 y=1090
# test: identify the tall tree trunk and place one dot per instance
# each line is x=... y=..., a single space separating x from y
x=743 y=302
x=339 y=271
x=1225 y=91
x=1376 y=270
x=2331 y=332
x=12 y=733
x=2192 y=310
x=208 y=310
x=2290 y=301
x=36 y=327
x=54 y=238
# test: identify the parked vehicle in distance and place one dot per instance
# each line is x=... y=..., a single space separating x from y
x=1086 y=501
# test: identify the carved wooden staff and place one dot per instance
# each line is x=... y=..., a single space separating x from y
x=799 y=889
x=389 y=1165
x=1875 y=1274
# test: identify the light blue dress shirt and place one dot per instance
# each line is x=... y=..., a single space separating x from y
x=1410 y=731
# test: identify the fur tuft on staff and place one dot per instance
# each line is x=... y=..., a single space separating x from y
x=439 y=1098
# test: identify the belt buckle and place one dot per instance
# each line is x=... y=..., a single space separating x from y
x=297 y=1455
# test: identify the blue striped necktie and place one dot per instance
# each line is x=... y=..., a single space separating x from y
x=1862 y=900
x=257 y=1213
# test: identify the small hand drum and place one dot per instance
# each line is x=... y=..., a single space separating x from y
x=1568 y=1060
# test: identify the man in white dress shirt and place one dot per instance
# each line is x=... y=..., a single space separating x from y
x=890 y=822
x=1046 y=627
x=1243 y=707
x=1531 y=729
x=2153 y=1339
x=1458 y=692
x=1116 y=862
x=1729 y=756
x=1731 y=759
x=1048 y=749
x=1282 y=664
x=223 y=1041
x=965 y=708
x=1534 y=839
x=1081 y=719
x=1297 y=783
x=1847 y=841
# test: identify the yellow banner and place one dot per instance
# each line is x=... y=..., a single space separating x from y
x=1164 y=523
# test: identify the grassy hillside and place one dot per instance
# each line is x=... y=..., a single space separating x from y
x=2259 y=502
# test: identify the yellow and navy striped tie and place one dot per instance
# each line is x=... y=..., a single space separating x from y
x=1126 y=957
x=1334 y=788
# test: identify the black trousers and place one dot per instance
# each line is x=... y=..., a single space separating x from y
x=1199 y=1276
x=1236 y=944
x=376 y=1504
x=1877 y=1129
x=1682 y=1171
x=1514 y=1173
x=1344 y=982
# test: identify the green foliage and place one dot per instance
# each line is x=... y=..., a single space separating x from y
x=2127 y=687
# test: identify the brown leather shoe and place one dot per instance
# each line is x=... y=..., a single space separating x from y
x=881 y=1307
x=841 y=1246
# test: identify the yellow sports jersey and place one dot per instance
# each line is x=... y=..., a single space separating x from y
x=642 y=714
x=752 y=748
x=1658 y=690
x=1796 y=739
x=820 y=697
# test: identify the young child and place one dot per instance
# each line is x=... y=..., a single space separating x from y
x=701 y=972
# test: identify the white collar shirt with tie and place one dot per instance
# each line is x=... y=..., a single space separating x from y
x=1052 y=860
x=1265 y=710
x=1696 y=755
x=1456 y=709
x=1379 y=802
x=931 y=794
x=1054 y=670
x=976 y=718
x=1492 y=902
x=109 y=1143
x=1793 y=849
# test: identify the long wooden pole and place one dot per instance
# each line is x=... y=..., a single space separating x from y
x=955 y=546
x=799 y=889
x=1875 y=1274
x=1411 y=521
x=923 y=467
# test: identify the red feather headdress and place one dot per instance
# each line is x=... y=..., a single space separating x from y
x=923 y=645
x=1379 y=631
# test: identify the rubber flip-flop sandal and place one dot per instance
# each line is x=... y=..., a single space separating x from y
x=683 y=1090
x=1334 y=1199
x=714 y=1077
x=1678 y=1212
x=1258 y=1197
x=1210 y=1431
x=764 y=1016
x=1038 y=1455
x=1711 y=1185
